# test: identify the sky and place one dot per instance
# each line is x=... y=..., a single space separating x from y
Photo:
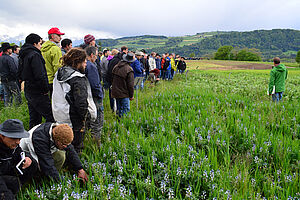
x=119 y=18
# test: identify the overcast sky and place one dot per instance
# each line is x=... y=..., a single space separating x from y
x=117 y=18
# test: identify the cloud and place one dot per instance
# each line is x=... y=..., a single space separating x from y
x=109 y=19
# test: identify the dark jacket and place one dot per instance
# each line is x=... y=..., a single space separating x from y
x=9 y=158
x=42 y=144
x=145 y=64
x=137 y=68
x=181 y=65
x=92 y=74
x=8 y=68
x=123 y=81
x=32 y=70
x=113 y=62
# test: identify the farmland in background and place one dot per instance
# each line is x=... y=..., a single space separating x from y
x=210 y=134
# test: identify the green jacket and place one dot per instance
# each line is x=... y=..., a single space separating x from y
x=52 y=55
x=173 y=64
x=278 y=76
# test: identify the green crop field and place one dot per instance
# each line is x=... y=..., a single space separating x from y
x=210 y=134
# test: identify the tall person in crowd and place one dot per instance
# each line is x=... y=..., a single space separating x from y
x=15 y=54
x=278 y=75
x=111 y=64
x=173 y=66
x=66 y=45
x=123 y=84
x=97 y=92
x=8 y=75
x=52 y=53
x=12 y=175
x=72 y=98
x=32 y=70
x=89 y=40
x=104 y=68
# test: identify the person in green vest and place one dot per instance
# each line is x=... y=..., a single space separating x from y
x=52 y=53
x=278 y=76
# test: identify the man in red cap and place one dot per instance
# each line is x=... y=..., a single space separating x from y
x=52 y=54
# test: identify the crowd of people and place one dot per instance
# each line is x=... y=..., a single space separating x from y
x=66 y=87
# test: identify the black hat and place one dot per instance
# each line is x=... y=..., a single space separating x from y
x=129 y=57
x=13 y=128
x=5 y=46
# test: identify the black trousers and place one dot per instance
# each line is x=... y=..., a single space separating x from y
x=79 y=133
x=39 y=106
x=10 y=184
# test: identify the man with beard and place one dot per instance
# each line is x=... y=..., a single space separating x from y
x=72 y=97
x=32 y=70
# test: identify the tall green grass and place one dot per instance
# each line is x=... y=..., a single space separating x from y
x=214 y=135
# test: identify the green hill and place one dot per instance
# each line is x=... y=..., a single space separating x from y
x=277 y=42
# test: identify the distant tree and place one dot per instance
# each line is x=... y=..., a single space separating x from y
x=192 y=55
x=248 y=55
x=224 y=53
x=298 y=57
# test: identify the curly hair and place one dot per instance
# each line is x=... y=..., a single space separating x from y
x=74 y=57
x=63 y=133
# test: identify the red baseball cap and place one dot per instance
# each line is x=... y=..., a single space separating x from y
x=55 y=30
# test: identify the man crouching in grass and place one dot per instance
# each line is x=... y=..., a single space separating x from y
x=16 y=167
x=50 y=144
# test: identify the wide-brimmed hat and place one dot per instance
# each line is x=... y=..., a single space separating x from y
x=5 y=46
x=129 y=57
x=55 y=30
x=13 y=128
x=139 y=53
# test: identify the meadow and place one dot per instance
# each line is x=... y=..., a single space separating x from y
x=210 y=134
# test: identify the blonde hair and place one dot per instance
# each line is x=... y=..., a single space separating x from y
x=114 y=52
x=63 y=133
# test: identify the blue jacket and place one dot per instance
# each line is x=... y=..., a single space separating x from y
x=169 y=68
x=137 y=68
x=92 y=74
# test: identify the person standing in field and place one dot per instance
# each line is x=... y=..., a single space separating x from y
x=72 y=98
x=8 y=75
x=278 y=75
x=104 y=68
x=66 y=45
x=173 y=66
x=111 y=64
x=92 y=74
x=181 y=65
x=123 y=84
x=52 y=53
x=32 y=70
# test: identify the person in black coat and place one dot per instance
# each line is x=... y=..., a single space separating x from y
x=12 y=175
x=111 y=64
x=51 y=146
x=8 y=75
x=181 y=66
x=32 y=70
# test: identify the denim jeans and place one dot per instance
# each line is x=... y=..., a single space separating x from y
x=277 y=96
x=11 y=91
x=123 y=106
